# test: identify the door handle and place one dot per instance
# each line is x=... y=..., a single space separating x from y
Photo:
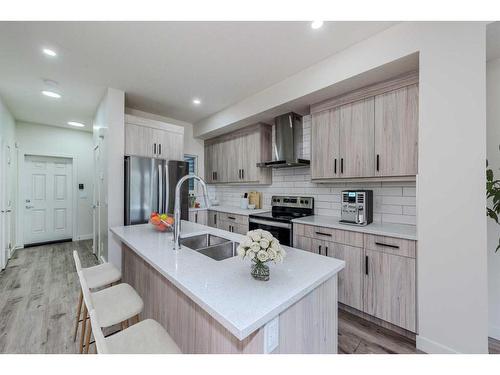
x=335 y=166
x=242 y=174
x=154 y=149
x=159 y=148
x=341 y=165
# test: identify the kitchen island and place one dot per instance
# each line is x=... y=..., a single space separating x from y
x=210 y=306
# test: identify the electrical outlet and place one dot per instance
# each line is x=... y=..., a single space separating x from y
x=271 y=335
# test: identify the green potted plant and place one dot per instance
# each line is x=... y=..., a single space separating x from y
x=493 y=192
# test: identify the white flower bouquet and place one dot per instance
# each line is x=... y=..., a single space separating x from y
x=260 y=247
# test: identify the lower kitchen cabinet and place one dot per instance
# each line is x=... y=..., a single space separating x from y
x=351 y=277
x=380 y=273
x=212 y=218
x=230 y=222
x=389 y=288
x=199 y=217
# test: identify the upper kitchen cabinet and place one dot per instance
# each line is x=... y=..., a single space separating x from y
x=396 y=132
x=368 y=133
x=325 y=153
x=153 y=139
x=356 y=139
x=233 y=157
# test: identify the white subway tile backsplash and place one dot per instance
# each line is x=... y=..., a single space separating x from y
x=410 y=191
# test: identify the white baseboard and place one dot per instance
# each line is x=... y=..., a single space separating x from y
x=494 y=332
x=85 y=237
x=432 y=347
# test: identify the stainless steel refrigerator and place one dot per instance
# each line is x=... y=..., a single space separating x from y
x=150 y=186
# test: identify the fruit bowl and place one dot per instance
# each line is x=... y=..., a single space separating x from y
x=161 y=222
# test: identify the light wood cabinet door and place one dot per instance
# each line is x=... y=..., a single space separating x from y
x=139 y=141
x=221 y=162
x=209 y=164
x=234 y=154
x=389 y=288
x=396 y=132
x=170 y=145
x=325 y=157
x=212 y=218
x=350 y=279
x=249 y=151
x=357 y=153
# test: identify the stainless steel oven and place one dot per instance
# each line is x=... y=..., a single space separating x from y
x=279 y=220
x=282 y=231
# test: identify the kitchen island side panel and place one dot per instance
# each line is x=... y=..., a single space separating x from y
x=308 y=326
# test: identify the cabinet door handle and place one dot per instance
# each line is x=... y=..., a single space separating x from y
x=215 y=174
x=378 y=162
x=231 y=217
x=324 y=234
x=387 y=245
x=335 y=166
x=159 y=148
x=319 y=250
x=242 y=174
x=154 y=149
x=341 y=165
x=215 y=219
x=196 y=217
x=366 y=265
x=239 y=173
x=326 y=250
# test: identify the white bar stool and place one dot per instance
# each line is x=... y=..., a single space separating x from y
x=97 y=277
x=146 y=337
x=116 y=304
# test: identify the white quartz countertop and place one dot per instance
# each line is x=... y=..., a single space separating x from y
x=225 y=289
x=232 y=210
x=408 y=232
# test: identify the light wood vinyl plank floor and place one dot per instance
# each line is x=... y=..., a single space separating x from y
x=38 y=295
x=39 y=290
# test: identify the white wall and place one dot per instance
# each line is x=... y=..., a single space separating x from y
x=451 y=222
x=8 y=135
x=493 y=152
x=50 y=140
x=109 y=122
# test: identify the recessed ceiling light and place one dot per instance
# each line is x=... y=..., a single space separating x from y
x=51 y=94
x=316 y=24
x=49 y=52
x=196 y=101
x=77 y=124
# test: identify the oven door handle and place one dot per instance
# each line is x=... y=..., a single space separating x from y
x=270 y=223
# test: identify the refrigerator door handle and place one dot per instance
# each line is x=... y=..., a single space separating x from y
x=167 y=189
x=127 y=191
x=160 y=189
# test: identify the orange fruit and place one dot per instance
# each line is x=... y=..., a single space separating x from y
x=169 y=220
x=155 y=220
x=153 y=214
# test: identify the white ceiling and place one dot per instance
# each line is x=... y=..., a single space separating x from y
x=161 y=66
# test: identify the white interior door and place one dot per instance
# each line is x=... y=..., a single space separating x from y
x=48 y=199
x=96 y=238
x=7 y=202
x=3 y=257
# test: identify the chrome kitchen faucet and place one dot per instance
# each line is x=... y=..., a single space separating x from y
x=177 y=206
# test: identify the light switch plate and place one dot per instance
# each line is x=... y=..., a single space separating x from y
x=271 y=335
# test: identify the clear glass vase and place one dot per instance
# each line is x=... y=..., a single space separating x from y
x=260 y=271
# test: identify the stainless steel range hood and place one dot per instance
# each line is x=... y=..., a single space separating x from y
x=287 y=150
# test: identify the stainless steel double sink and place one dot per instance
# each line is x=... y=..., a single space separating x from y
x=212 y=246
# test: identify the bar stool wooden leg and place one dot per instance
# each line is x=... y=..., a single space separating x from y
x=84 y=324
x=124 y=324
x=87 y=339
x=136 y=319
x=78 y=313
